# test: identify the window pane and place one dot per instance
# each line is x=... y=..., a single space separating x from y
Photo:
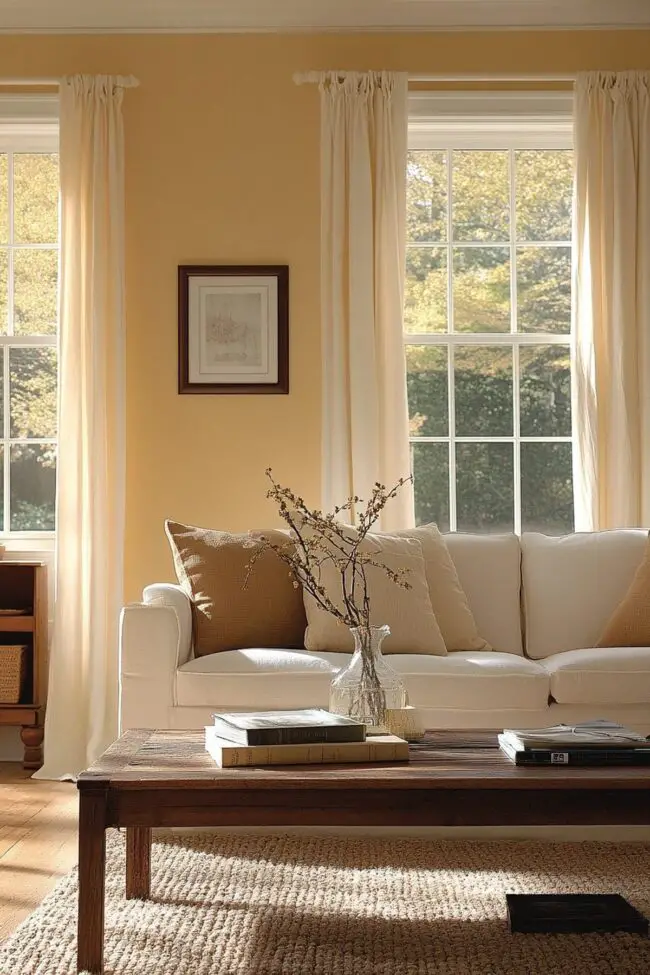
x=431 y=483
x=35 y=291
x=4 y=199
x=481 y=195
x=2 y=488
x=544 y=289
x=484 y=487
x=36 y=198
x=546 y=488
x=425 y=306
x=427 y=383
x=32 y=374
x=483 y=390
x=545 y=391
x=2 y=390
x=33 y=480
x=544 y=187
x=426 y=195
x=481 y=289
x=4 y=289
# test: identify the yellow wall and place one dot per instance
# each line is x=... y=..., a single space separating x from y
x=222 y=167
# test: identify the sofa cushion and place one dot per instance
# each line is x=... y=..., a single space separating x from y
x=629 y=625
x=573 y=583
x=261 y=678
x=449 y=602
x=489 y=570
x=228 y=613
x=407 y=611
x=605 y=675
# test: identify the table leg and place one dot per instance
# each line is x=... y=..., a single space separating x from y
x=138 y=862
x=92 y=869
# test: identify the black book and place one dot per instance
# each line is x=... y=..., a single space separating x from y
x=585 y=757
x=313 y=725
x=573 y=914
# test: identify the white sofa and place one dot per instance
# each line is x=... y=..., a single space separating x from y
x=540 y=601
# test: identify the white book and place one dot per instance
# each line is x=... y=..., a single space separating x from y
x=597 y=733
x=379 y=748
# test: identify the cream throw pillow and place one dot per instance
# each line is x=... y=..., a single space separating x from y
x=448 y=599
x=408 y=612
x=629 y=624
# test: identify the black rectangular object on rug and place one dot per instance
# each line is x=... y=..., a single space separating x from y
x=573 y=914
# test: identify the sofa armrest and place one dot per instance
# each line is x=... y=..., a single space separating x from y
x=166 y=594
x=155 y=639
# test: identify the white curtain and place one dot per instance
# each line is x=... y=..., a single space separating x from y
x=82 y=711
x=612 y=300
x=364 y=119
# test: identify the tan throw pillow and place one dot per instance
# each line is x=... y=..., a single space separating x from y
x=448 y=599
x=408 y=612
x=211 y=568
x=629 y=624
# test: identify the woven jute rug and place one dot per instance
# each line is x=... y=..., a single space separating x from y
x=289 y=905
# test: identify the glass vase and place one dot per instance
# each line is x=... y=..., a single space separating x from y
x=368 y=685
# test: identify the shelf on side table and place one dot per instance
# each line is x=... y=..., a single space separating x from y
x=23 y=585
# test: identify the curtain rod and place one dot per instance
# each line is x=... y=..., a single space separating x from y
x=312 y=77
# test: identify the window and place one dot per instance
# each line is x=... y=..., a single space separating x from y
x=488 y=313
x=29 y=257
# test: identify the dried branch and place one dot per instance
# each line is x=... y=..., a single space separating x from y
x=319 y=538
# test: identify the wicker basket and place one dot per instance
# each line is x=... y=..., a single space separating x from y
x=13 y=669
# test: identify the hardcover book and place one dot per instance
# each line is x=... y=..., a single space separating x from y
x=309 y=726
x=581 y=756
x=598 y=733
x=379 y=748
x=573 y=914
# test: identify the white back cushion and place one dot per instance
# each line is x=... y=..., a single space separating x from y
x=573 y=583
x=489 y=569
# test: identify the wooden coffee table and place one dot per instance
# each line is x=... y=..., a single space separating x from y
x=166 y=778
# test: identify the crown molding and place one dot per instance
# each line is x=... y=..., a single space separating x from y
x=260 y=16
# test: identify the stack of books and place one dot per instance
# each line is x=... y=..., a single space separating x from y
x=592 y=743
x=310 y=737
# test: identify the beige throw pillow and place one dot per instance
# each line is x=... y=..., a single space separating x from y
x=407 y=612
x=211 y=567
x=629 y=624
x=448 y=599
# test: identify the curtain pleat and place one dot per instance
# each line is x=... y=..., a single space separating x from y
x=611 y=399
x=82 y=711
x=364 y=122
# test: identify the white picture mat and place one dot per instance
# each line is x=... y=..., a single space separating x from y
x=233 y=329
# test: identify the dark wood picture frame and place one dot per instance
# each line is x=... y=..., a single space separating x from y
x=188 y=271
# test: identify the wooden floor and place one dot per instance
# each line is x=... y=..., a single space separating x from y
x=38 y=841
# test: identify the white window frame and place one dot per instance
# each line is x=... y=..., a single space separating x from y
x=28 y=123
x=505 y=121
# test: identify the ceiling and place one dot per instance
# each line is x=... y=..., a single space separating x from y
x=72 y=16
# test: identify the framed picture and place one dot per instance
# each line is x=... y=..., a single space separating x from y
x=233 y=329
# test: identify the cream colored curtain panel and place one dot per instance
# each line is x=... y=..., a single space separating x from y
x=82 y=713
x=364 y=121
x=612 y=300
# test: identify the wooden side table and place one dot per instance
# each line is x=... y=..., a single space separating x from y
x=23 y=587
